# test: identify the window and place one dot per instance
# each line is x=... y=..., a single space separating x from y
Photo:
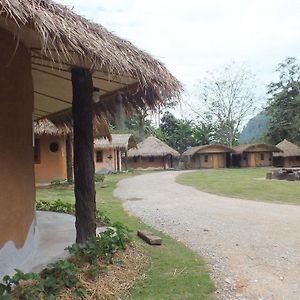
x=37 y=151
x=54 y=147
x=262 y=156
x=135 y=159
x=206 y=158
x=151 y=158
x=297 y=158
x=99 y=156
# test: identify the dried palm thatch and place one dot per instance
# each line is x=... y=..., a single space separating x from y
x=59 y=40
x=152 y=146
x=288 y=149
x=118 y=141
x=212 y=148
x=262 y=147
x=113 y=284
x=45 y=126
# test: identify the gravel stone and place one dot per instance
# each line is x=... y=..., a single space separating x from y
x=252 y=248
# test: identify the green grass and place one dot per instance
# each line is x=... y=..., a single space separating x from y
x=243 y=183
x=175 y=271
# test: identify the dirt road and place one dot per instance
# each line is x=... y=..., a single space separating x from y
x=252 y=248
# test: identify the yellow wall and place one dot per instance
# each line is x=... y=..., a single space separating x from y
x=53 y=165
x=16 y=158
x=108 y=163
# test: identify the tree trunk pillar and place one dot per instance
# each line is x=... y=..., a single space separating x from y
x=84 y=168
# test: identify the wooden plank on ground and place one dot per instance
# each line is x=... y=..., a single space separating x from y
x=149 y=238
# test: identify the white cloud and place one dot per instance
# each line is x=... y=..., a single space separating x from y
x=193 y=36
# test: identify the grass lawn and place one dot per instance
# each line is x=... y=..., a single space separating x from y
x=243 y=183
x=175 y=271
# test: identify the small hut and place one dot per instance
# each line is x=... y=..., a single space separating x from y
x=50 y=157
x=289 y=157
x=152 y=153
x=112 y=154
x=208 y=157
x=253 y=155
x=53 y=149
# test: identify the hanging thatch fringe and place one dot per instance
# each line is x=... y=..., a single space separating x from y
x=65 y=37
x=45 y=126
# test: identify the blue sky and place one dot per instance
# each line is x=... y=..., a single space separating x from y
x=194 y=36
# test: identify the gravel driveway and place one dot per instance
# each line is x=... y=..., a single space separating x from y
x=252 y=248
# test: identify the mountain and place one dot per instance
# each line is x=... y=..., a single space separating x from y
x=255 y=129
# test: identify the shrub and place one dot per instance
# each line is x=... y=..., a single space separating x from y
x=99 y=177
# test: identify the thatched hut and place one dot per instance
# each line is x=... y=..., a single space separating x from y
x=152 y=153
x=111 y=154
x=50 y=155
x=208 y=156
x=58 y=65
x=253 y=155
x=53 y=149
x=289 y=157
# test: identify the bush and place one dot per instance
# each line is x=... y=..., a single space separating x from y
x=99 y=177
x=69 y=208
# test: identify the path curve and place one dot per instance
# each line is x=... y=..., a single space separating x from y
x=252 y=248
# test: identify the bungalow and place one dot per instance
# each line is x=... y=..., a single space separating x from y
x=50 y=156
x=112 y=154
x=208 y=156
x=152 y=153
x=289 y=157
x=253 y=155
x=58 y=65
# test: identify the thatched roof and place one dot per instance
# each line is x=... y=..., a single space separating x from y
x=262 y=147
x=59 y=40
x=152 y=146
x=212 y=148
x=45 y=126
x=288 y=149
x=119 y=141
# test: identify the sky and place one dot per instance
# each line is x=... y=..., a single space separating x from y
x=192 y=37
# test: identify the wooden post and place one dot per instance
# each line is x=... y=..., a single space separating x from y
x=69 y=158
x=126 y=161
x=84 y=168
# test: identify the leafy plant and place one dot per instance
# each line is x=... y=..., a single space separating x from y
x=58 y=275
x=99 y=177
x=69 y=208
x=104 y=245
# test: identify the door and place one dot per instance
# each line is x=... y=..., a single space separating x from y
x=252 y=159
x=215 y=159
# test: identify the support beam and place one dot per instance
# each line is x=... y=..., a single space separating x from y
x=69 y=158
x=84 y=168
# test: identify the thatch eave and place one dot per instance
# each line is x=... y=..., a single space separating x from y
x=288 y=149
x=152 y=146
x=255 y=148
x=206 y=149
x=118 y=141
x=59 y=39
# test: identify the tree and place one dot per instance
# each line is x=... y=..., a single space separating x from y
x=228 y=98
x=284 y=103
x=177 y=133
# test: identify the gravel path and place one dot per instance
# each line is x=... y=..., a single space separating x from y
x=252 y=248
